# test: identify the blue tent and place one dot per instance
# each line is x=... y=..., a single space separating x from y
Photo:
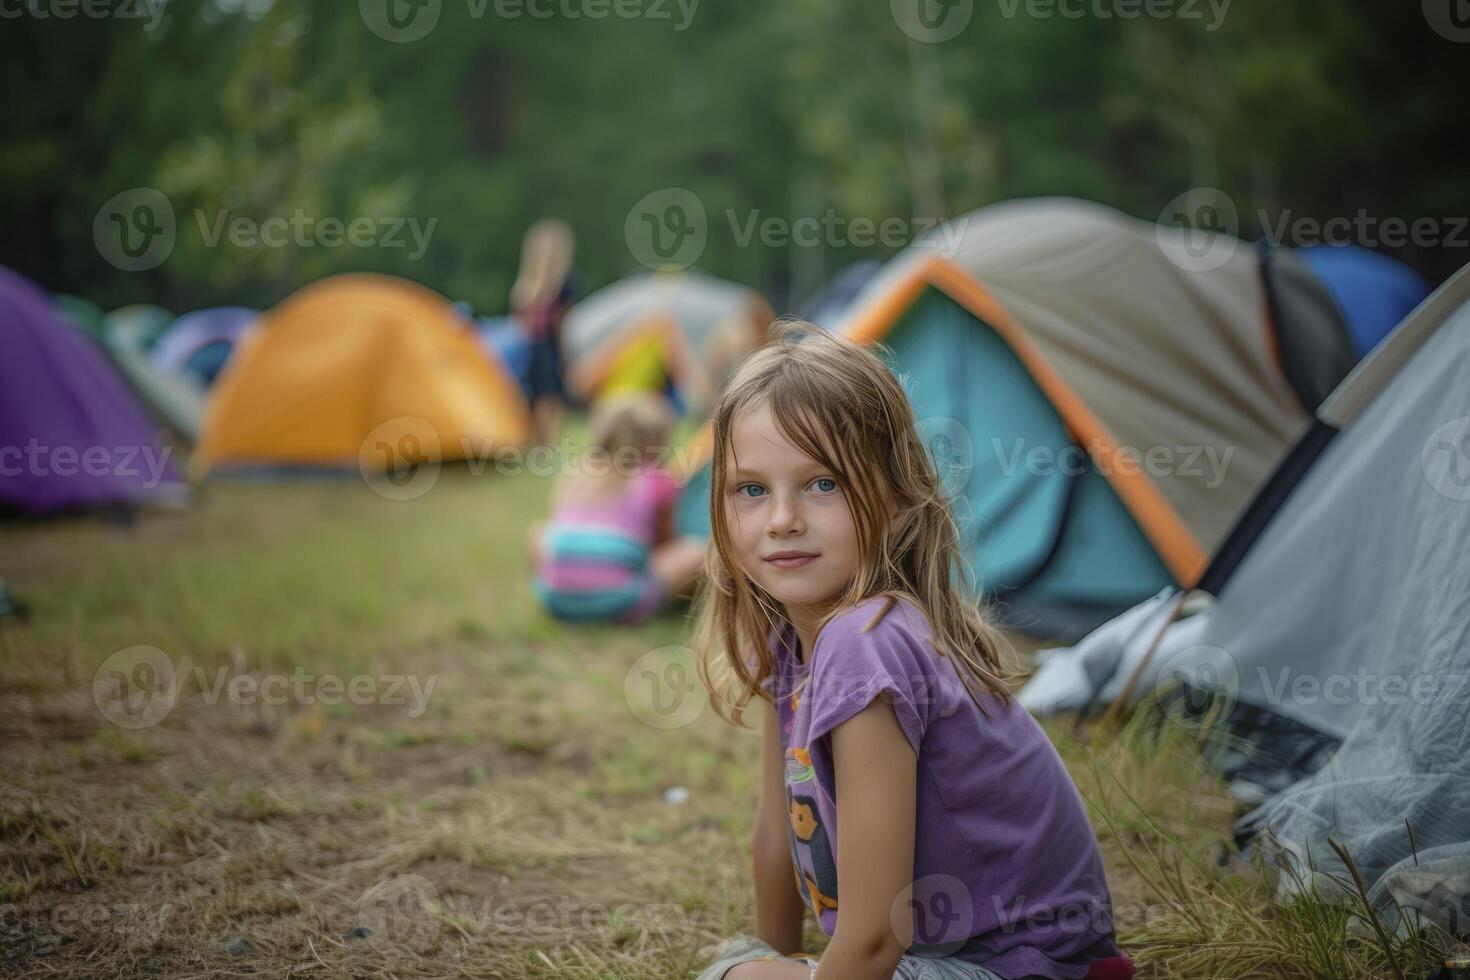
x=503 y=338
x=1373 y=292
x=1331 y=305
x=199 y=343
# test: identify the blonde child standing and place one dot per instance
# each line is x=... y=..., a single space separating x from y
x=837 y=596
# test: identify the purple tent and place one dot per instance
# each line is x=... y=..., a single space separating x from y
x=201 y=342
x=71 y=433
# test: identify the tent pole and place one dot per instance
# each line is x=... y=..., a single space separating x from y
x=1115 y=710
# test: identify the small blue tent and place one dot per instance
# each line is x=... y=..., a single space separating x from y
x=1331 y=305
x=200 y=343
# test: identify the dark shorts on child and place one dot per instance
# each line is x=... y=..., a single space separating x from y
x=543 y=376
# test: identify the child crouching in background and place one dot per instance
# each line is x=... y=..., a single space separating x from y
x=609 y=551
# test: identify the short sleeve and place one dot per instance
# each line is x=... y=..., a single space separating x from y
x=851 y=668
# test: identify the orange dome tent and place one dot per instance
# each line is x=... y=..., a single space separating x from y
x=361 y=370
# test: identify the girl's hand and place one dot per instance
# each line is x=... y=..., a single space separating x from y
x=533 y=542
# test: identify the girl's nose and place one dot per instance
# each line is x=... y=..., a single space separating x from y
x=785 y=515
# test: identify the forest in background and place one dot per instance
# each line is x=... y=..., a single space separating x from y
x=762 y=108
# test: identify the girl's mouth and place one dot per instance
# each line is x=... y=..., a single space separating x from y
x=791 y=559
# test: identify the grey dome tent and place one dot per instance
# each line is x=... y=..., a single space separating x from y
x=1344 y=610
x=1338 y=649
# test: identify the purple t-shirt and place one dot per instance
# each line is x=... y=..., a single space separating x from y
x=1007 y=871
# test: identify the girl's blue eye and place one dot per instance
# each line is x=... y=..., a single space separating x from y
x=755 y=488
x=825 y=484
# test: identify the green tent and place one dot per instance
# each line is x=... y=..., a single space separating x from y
x=83 y=313
x=175 y=400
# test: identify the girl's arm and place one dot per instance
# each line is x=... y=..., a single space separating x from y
x=876 y=786
x=779 y=910
x=688 y=370
x=665 y=530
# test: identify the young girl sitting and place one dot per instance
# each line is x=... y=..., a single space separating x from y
x=609 y=551
x=961 y=848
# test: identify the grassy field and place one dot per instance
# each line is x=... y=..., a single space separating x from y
x=495 y=797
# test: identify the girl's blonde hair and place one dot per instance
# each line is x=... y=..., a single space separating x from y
x=838 y=403
x=546 y=260
x=627 y=427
